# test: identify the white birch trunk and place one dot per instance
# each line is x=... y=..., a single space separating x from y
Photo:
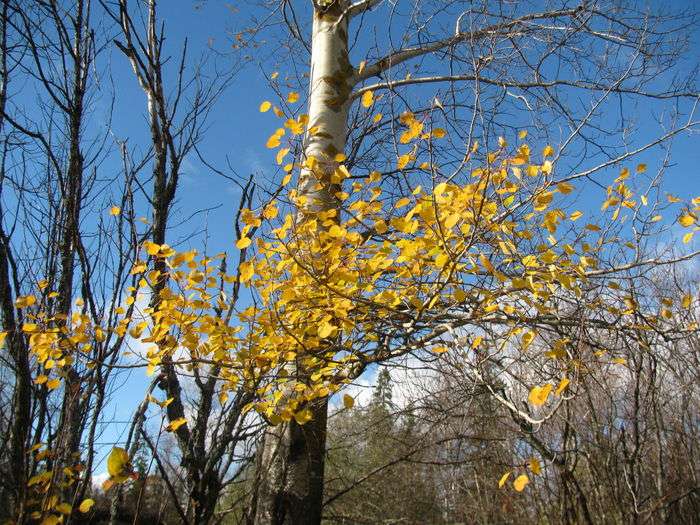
x=291 y=462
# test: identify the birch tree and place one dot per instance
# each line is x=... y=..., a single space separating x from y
x=495 y=66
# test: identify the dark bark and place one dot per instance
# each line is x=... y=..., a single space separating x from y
x=290 y=472
x=16 y=345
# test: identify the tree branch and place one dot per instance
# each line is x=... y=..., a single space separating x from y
x=403 y=55
x=392 y=84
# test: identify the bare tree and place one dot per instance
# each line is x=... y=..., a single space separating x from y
x=212 y=444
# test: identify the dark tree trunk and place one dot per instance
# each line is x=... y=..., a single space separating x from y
x=290 y=472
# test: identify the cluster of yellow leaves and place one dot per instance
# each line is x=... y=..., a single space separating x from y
x=331 y=291
x=296 y=126
x=329 y=287
x=540 y=394
x=334 y=293
x=46 y=485
x=522 y=480
x=55 y=342
x=414 y=131
x=690 y=218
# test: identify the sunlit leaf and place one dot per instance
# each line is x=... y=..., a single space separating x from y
x=539 y=394
x=520 y=482
x=86 y=505
x=348 y=401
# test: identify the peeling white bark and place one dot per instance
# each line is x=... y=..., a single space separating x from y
x=291 y=463
x=329 y=92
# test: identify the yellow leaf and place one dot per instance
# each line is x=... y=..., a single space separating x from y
x=685 y=303
x=520 y=482
x=522 y=134
x=265 y=106
x=688 y=237
x=619 y=361
x=503 y=479
x=64 y=508
x=528 y=338
x=534 y=465
x=564 y=188
x=562 y=385
x=403 y=161
x=326 y=330
x=270 y=211
x=281 y=154
x=543 y=200
x=439 y=349
x=3 y=335
x=440 y=189
x=293 y=97
x=367 y=99
x=641 y=168
x=348 y=401
x=402 y=202
x=243 y=243
x=247 y=271
x=539 y=394
x=686 y=220
x=274 y=140
x=175 y=424
x=303 y=416
x=86 y=505
x=439 y=133
x=274 y=75
x=377 y=118
x=53 y=384
x=117 y=462
x=51 y=519
x=575 y=215
x=115 y=210
x=530 y=261
x=29 y=328
x=25 y=301
x=107 y=484
x=547 y=167
x=151 y=248
x=548 y=151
